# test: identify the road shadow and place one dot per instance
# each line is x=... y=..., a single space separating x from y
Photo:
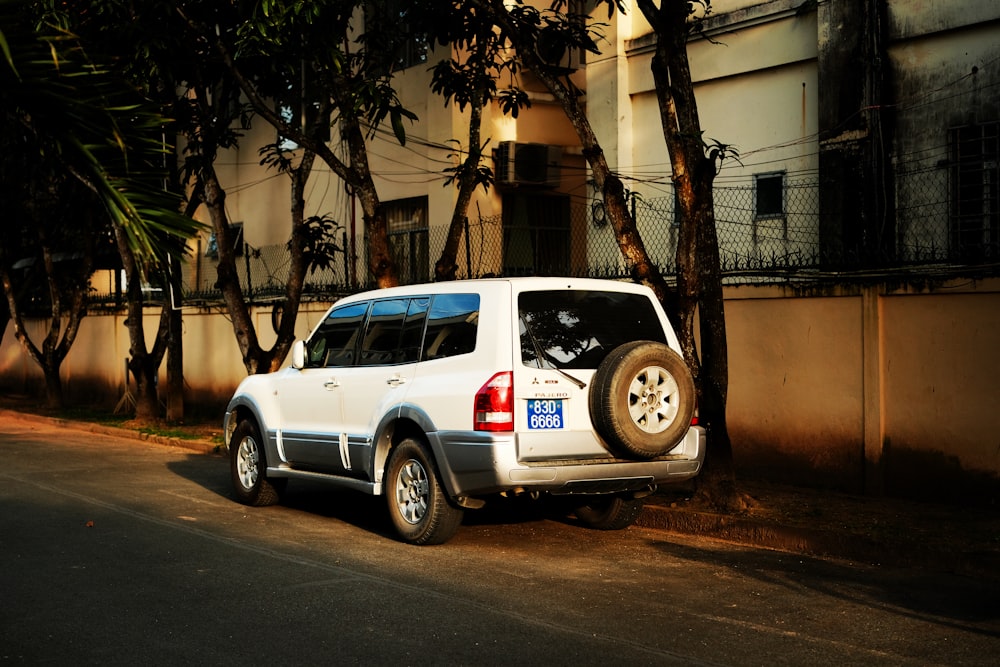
x=949 y=600
x=359 y=509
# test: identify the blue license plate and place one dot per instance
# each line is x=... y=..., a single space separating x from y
x=545 y=414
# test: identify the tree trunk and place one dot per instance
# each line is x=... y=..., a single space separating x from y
x=53 y=383
x=381 y=264
x=630 y=243
x=51 y=361
x=446 y=267
x=297 y=268
x=356 y=175
x=210 y=193
x=54 y=348
x=227 y=280
x=699 y=281
x=256 y=359
x=140 y=365
x=4 y=319
x=175 y=344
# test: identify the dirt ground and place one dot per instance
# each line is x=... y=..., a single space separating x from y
x=821 y=522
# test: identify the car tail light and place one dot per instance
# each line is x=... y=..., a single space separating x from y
x=494 y=406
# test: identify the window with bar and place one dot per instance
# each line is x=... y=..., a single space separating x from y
x=974 y=232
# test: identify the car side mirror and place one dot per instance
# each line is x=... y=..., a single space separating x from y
x=299 y=354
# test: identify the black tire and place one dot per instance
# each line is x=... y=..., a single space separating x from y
x=642 y=399
x=609 y=512
x=418 y=506
x=248 y=467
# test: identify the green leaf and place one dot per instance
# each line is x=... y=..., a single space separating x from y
x=396 y=118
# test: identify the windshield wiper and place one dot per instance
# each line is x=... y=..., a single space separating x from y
x=542 y=359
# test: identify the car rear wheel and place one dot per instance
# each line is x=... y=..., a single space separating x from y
x=642 y=399
x=418 y=506
x=248 y=467
x=609 y=512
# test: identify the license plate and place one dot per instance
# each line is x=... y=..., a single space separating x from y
x=545 y=413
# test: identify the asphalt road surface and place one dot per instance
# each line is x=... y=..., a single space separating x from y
x=115 y=551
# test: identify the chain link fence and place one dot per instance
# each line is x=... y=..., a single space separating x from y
x=755 y=247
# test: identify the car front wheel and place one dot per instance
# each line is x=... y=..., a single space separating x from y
x=248 y=467
x=418 y=506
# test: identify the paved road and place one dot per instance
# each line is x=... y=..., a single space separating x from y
x=115 y=551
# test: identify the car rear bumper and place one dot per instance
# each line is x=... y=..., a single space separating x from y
x=474 y=463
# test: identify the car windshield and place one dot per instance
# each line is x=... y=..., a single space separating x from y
x=577 y=328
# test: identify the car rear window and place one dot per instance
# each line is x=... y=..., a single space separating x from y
x=578 y=328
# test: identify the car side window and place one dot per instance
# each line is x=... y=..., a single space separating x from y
x=382 y=334
x=413 y=330
x=452 y=325
x=335 y=341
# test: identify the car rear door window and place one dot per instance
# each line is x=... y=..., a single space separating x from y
x=382 y=334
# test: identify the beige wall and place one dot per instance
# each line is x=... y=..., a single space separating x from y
x=941 y=389
x=796 y=386
x=871 y=389
x=94 y=370
x=877 y=389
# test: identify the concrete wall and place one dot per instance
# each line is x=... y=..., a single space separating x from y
x=876 y=389
x=93 y=372
x=796 y=393
x=940 y=387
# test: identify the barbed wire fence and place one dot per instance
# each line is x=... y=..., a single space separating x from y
x=927 y=242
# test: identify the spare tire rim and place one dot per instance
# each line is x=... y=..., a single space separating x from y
x=653 y=397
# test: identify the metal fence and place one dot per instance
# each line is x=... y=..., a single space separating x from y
x=755 y=248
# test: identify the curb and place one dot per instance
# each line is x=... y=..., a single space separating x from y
x=200 y=446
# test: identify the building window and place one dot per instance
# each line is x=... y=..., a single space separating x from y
x=235 y=234
x=298 y=108
x=406 y=220
x=400 y=47
x=975 y=196
x=769 y=195
x=536 y=234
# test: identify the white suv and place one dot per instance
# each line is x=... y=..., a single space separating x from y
x=438 y=396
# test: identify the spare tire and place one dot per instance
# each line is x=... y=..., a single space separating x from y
x=642 y=399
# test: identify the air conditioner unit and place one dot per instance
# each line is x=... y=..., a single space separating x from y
x=527 y=164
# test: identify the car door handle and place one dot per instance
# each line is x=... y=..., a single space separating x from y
x=332 y=383
x=395 y=381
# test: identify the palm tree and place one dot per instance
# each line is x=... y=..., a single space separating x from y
x=72 y=132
